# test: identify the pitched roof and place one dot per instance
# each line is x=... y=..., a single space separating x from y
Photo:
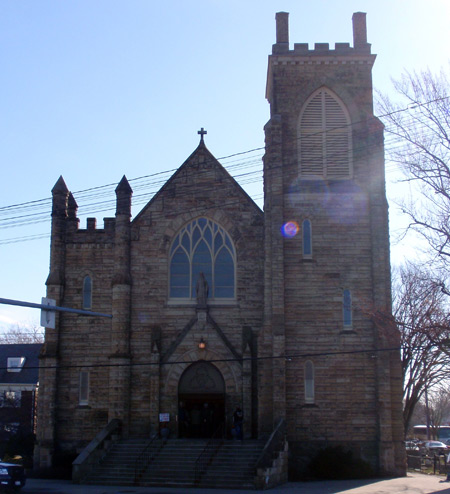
x=200 y=155
x=30 y=372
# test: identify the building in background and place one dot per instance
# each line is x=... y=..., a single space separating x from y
x=284 y=313
x=19 y=369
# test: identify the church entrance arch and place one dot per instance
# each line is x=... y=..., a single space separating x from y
x=201 y=399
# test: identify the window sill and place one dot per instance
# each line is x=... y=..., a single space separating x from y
x=348 y=331
x=308 y=260
x=309 y=405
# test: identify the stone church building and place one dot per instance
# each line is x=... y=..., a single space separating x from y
x=282 y=312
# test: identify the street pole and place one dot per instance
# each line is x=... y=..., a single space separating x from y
x=52 y=308
x=427 y=411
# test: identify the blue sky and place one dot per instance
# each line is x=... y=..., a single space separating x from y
x=95 y=89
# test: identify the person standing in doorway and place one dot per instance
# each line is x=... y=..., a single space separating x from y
x=183 y=421
x=238 y=421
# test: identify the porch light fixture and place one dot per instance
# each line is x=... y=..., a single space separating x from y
x=202 y=344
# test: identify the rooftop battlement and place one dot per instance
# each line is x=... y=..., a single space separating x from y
x=360 y=45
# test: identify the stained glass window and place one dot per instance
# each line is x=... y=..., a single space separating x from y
x=202 y=246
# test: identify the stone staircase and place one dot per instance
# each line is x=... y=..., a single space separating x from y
x=118 y=465
x=173 y=465
x=233 y=466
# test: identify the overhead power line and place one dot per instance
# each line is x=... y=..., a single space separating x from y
x=286 y=357
x=99 y=199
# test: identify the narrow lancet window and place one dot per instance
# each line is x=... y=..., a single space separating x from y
x=84 y=388
x=307 y=239
x=87 y=293
x=347 y=308
x=309 y=382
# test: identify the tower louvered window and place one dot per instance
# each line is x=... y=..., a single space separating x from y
x=325 y=139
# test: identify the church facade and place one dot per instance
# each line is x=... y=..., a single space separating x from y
x=283 y=313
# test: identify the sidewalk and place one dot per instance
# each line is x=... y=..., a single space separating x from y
x=414 y=483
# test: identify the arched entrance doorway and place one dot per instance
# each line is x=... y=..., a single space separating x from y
x=201 y=398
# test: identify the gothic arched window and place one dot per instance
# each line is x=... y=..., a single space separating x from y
x=202 y=246
x=87 y=292
x=325 y=137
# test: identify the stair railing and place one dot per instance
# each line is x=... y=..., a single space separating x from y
x=273 y=445
x=95 y=451
x=209 y=451
x=146 y=456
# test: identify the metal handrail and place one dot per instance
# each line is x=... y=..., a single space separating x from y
x=144 y=459
x=94 y=452
x=211 y=448
x=273 y=445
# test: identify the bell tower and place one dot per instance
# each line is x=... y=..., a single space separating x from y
x=327 y=267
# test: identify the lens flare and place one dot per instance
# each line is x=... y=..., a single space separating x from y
x=290 y=229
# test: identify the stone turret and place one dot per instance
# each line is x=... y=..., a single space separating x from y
x=49 y=358
x=119 y=378
x=72 y=219
x=123 y=195
x=60 y=198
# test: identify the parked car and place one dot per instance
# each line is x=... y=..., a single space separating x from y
x=412 y=446
x=435 y=447
x=12 y=476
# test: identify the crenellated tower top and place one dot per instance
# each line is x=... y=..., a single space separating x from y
x=360 y=45
x=317 y=65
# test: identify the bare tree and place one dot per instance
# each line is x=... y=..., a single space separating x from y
x=419 y=143
x=439 y=407
x=438 y=410
x=421 y=315
x=418 y=417
x=22 y=334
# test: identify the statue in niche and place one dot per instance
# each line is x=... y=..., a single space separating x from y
x=201 y=290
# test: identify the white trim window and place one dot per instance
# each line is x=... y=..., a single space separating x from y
x=325 y=138
x=83 y=398
x=11 y=399
x=15 y=364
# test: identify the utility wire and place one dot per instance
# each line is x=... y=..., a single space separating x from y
x=254 y=177
x=287 y=357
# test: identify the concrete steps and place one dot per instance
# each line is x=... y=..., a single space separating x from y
x=174 y=464
x=234 y=465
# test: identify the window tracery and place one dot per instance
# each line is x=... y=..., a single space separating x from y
x=202 y=246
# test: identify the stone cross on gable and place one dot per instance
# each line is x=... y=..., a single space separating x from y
x=201 y=133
